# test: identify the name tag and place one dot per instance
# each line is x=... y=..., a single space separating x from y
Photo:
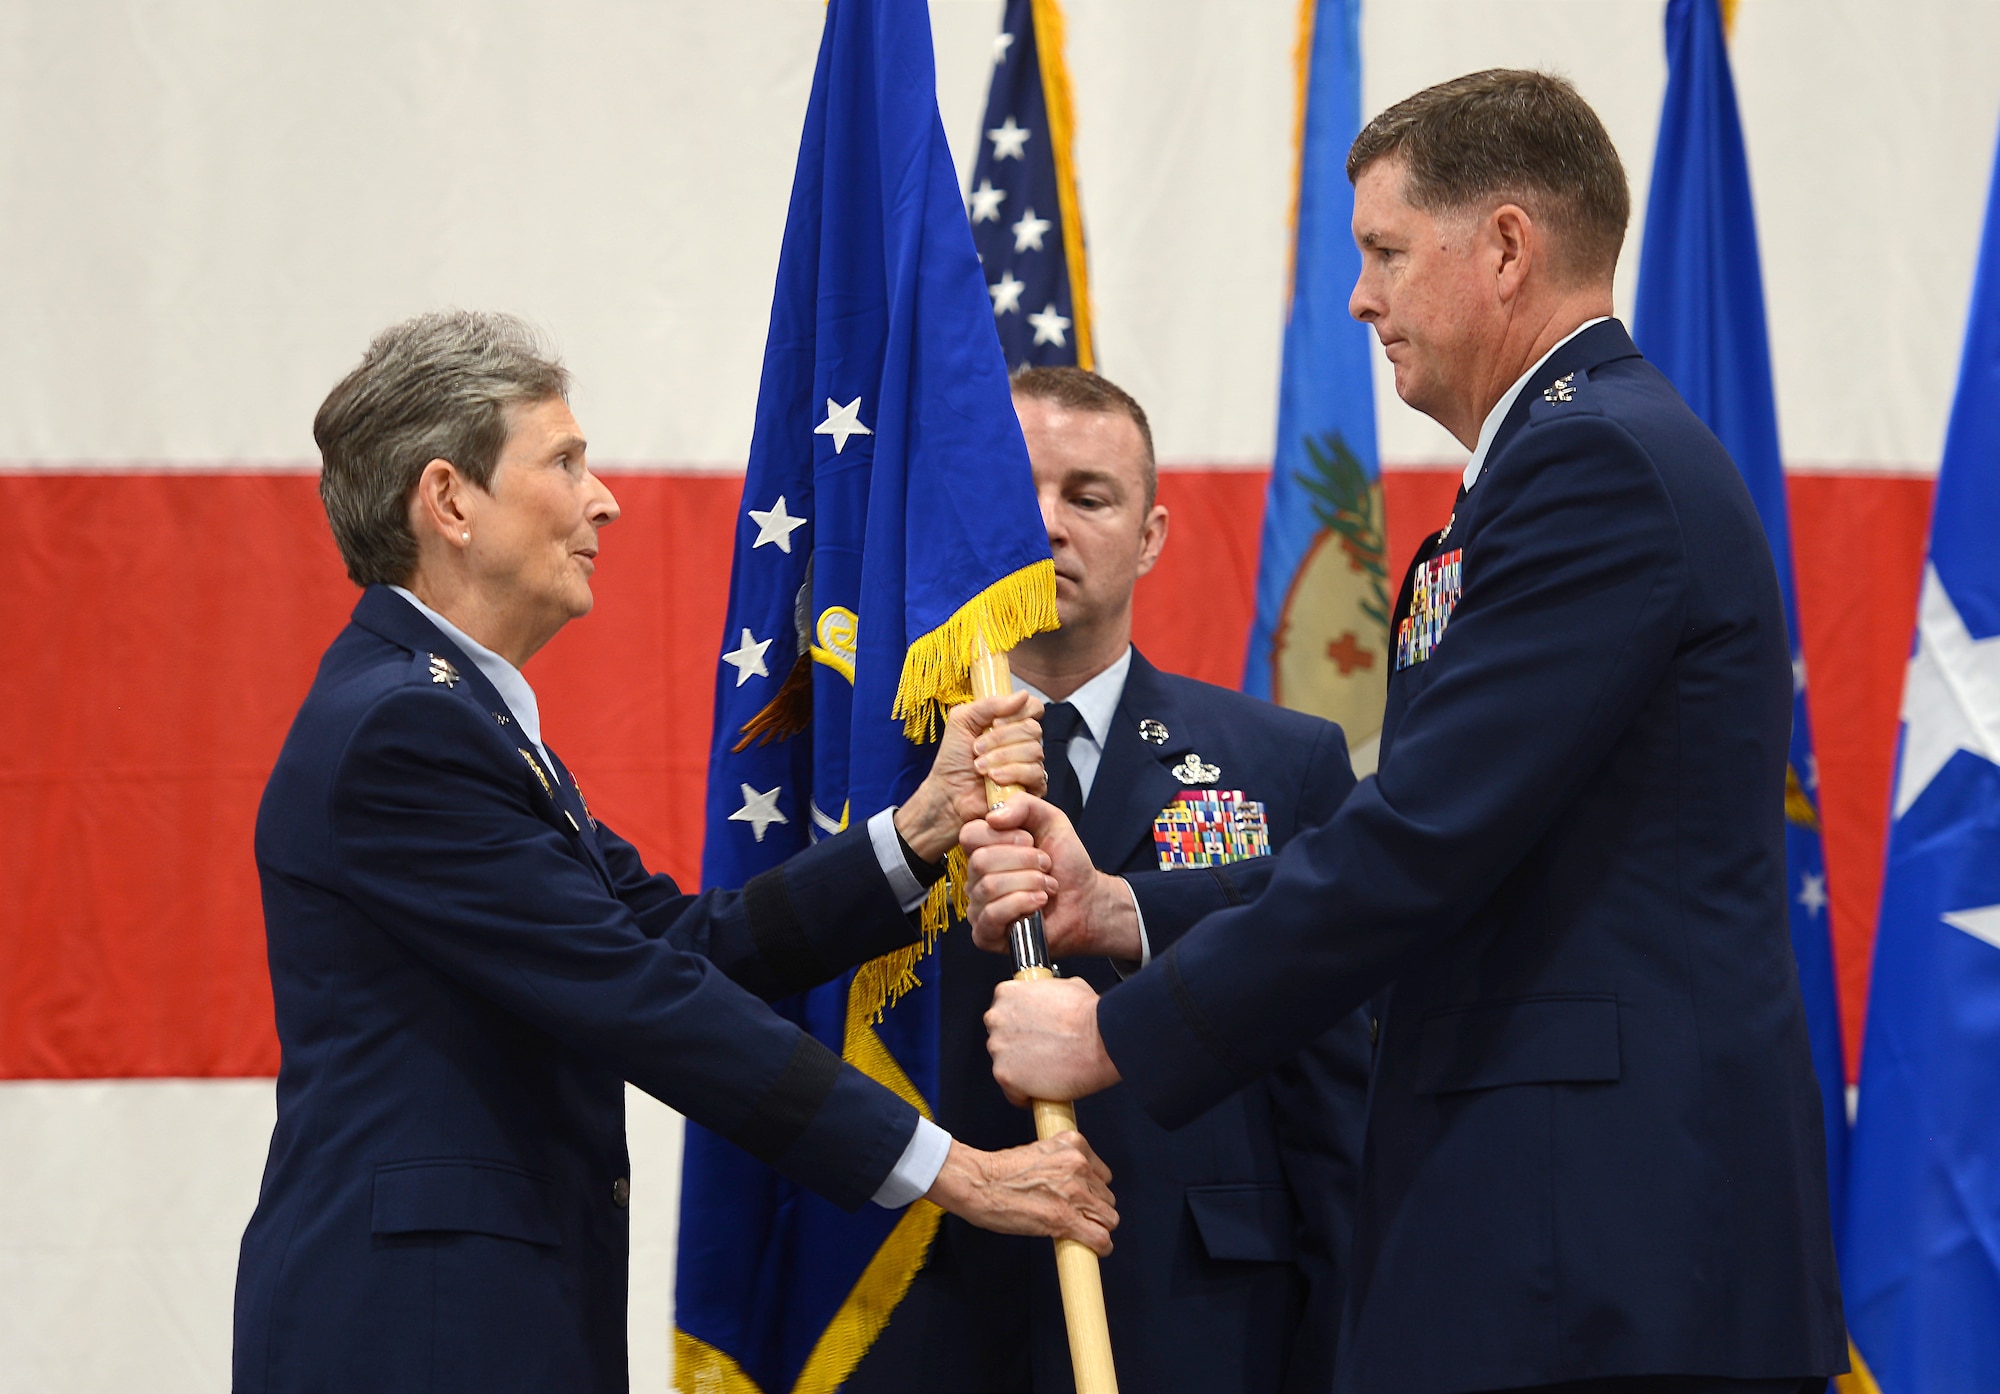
x=1210 y=827
x=1434 y=592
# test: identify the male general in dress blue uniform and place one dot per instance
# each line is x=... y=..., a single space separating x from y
x=1594 y=1159
x=467 y=966
x=1233 y=1229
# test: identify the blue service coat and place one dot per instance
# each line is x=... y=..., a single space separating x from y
x=466 y=969
x=1594 y=1143
x=1232 y=1233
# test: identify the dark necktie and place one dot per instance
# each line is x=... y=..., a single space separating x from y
x=1059 y=723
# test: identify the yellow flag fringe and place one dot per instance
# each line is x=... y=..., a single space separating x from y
x=866 y=1311
x=936 y=675
x=1859 y=1380
x=881 y=982
x=937 y=671
x=890 y=1272
x=1051 y=46
x=699 y=1368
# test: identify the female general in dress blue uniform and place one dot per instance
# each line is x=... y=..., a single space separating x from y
x=467 y=966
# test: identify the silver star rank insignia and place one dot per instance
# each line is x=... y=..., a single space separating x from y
x=442 y=671
x=1193 y=771
x=1152 y=732
x=1561 y=390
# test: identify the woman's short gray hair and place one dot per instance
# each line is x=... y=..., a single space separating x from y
x=436 y=387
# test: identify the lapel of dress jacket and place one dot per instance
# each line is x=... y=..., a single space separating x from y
x=1594 y=347
x=382 y=612
x=569 y=795
x=1135 y=778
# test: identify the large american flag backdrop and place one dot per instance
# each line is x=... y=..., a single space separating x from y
x=205 y=213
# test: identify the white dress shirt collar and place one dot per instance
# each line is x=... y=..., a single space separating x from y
x=1491 y=426
x=505 y=677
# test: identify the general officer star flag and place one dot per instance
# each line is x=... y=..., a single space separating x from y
x=888 y=525
x=1699 y=318
x=1922 y=1264
x=1320 y=640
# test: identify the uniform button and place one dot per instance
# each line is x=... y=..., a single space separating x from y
x=621 y=1193
x=1374 y=1029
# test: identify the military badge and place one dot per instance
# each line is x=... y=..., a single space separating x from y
x=1193 y=771
x=1153 y=732
x=1434 y=591
x=536 y=766
x=590 y=817
x=1563 y=389
x=1210 y=827
x=443 y=672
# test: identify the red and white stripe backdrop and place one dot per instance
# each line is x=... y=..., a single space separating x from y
x=206 y=209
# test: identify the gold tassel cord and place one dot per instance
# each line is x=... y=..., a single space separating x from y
x=937 y=670
x=1051 y=46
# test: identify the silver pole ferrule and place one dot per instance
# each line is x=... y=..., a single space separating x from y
x=1030 y=946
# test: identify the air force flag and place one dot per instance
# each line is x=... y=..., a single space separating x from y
x=888 y=527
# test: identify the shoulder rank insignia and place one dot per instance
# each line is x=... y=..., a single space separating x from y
x=536 y=766
x=442 y=671
x=1210 y=827
x=1193 y=771
x=1152 y=732
x=1563 y=389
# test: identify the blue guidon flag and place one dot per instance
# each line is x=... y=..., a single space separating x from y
x=1921 y=1269
x=1026 y=221
x=1320 y=639
x=1699 y=317
x=888 y=527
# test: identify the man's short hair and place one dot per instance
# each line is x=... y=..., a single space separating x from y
x=436 y=387
x=1082 y=390
x=1508 y=135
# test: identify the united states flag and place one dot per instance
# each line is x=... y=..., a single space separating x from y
x=1025 y=219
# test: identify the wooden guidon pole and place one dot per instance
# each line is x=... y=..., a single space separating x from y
x=1076 y=1264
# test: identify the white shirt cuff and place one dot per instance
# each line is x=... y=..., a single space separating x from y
x=909 y=890
x=1145 y=944
x=916 y=1171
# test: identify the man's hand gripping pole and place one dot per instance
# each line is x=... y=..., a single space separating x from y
x=1076 y=1265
